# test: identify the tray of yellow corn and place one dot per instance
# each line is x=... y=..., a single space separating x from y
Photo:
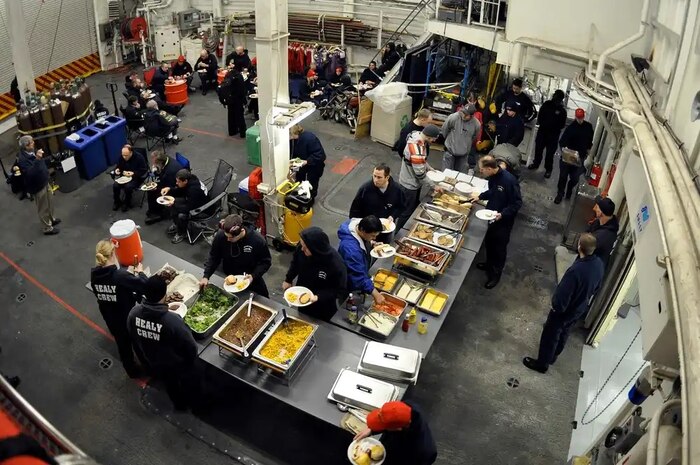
x=385 y=280
x=432 y=301
x=284 y=343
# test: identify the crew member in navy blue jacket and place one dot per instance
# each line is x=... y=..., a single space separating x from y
x=165 y=168
x=305 y=145
x=503 y=197
x=320 y=268
x=242 y=250
x=407 y=437
x=577 y=136
x=569 y=303
x=381 y=197
x=36 y=182
x=510 y=126
x=132 y=164
x=357 y=237
x=164 y=343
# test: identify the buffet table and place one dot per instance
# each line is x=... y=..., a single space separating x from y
x=449 y=283
x=335 y=349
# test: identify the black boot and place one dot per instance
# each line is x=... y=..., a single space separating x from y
x=535 y=365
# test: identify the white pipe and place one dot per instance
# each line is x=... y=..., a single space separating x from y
x=617 y=188
x=653 y=431
x=516 y=57
x=681 y=264
x=679 y=170
x=640 y=33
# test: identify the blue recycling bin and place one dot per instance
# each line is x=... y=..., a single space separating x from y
x=89 y=152
x=114 y=137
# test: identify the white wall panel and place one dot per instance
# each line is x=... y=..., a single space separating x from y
x=570 y=23
x=65 y=26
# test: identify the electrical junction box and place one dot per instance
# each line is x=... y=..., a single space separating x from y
x=659 y=341
x=167 y=43
x=189 y=19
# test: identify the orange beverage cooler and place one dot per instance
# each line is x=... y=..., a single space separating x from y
x=126 y=238
x=221 y=75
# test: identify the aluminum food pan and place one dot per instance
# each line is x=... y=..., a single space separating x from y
x=421 y=287
x=437 y=268
x=238 y=314
x=428 y=309
x=210 y=330
x=369 y=326
x=437 y=231
x=283 y=368
x=388 y=274
x=451 y=201
x=439 y=216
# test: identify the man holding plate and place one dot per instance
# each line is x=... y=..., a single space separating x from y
x=504 y=198
x=381 y=197
x=242 y=250
x=130 y=172
x=165 y=168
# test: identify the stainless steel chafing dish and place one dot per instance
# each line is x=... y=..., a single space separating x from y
x=442 y=217
x=405 y=256
x=452 y=201
x=211 y=328
x=361 y=391
x=249 y=342
x=390 y=362
x=436 y=236
x=286 y=333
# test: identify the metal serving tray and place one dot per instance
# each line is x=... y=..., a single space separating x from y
x=210 y=330
x=390 y=362
x=361 y=391
x=235 y=347
x=435 y=269
x=451 y=201
x=389 y=274
x=279 y=367
x=420 y=287
x=437 y=232
x=368 y=324
x=442 y=217
x=427 y=308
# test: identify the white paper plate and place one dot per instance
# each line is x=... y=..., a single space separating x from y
x=464 y=188
x=149 y=187
x=233 y=288
x=389 y=226
x=123 y=179
x=253 y=95
x=387 y=251
x=435 y=176
x=165 y=200
x=295 y=292
x=365 y=443
x=486 y=215
x=181 y=309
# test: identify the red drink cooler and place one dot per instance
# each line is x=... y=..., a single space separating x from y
x=126 y=238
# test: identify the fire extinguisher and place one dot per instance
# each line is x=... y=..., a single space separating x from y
x=220 y=48
x=596 y=173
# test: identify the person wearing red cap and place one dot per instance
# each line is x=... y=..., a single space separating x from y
x=183 y=70
x=578 y=136
x=407 y=437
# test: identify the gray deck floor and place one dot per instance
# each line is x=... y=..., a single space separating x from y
x=48 y=339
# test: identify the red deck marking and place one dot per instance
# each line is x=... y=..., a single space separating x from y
x=207 y=133
x=344 y=166
x=56 y=298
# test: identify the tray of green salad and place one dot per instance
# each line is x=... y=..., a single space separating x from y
x=207 y=309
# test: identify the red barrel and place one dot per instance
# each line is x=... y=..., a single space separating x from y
x=176 y=92
x=126 y=238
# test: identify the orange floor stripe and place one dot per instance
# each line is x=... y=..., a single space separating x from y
x=344 y=166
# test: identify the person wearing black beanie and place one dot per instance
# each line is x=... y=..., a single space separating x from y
x=165 y=345
x=604 y=228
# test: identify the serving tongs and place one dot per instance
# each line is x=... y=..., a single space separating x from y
x=285 y=321
x=374 y=319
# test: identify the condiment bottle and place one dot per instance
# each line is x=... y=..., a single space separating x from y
x=405 y=325
x=353 y=315
x=423 y=325
x=350 y=302
x=412 y=315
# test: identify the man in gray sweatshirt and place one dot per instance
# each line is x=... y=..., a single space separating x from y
x=460 y=131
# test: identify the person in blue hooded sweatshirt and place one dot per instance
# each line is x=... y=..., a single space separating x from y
x=357 y=237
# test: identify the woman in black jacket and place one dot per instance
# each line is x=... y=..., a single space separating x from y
x=117 y=291
x=319 y=267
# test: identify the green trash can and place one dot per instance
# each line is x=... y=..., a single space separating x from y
x=252 y=142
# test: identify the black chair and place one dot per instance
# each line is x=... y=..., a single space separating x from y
x=134 y=127
x=200 y=218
